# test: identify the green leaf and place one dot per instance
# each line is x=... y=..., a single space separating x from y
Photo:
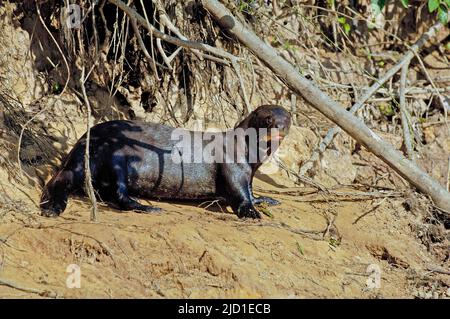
x=347 y=28
x=386 y=109
x=433 y=5
x=265 y=210
x=443 y=14
x=342 y=20
x=405 y=3
x=300 y=249
x=334 y=242
x=447 y=2
x=56 y=88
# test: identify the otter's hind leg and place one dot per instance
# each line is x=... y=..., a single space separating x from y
x=122 y=199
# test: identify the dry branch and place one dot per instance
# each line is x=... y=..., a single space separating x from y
x=165 y=21
x=237 y=69
x=149 y=58
x=332 y=110
x=163 y=36
x=151 y=38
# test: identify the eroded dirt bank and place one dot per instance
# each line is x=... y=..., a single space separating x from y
x=187 y=251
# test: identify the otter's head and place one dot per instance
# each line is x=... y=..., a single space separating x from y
x=272 y=122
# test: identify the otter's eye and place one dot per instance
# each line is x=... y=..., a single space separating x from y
x=268 y=121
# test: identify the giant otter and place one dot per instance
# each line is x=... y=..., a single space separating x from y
x=131 y=158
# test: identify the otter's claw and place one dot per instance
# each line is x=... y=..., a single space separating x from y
x=267 y=200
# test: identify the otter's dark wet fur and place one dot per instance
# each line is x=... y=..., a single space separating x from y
x=131 y=158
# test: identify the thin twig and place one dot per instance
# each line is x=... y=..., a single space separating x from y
x=445 y=105
x=438 y=270
x=237 y=69
x=151 y=39
x=87 y=168
x=404 y=113
x=370 y=210
x=14 y=285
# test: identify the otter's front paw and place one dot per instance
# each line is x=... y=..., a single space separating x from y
x=50 y=212
x=52 y=208
x=248 y=211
